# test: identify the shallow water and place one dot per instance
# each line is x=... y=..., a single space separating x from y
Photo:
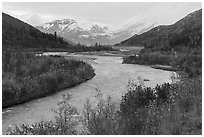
x=111 y=78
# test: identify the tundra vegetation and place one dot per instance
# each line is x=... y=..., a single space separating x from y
x=170 y=109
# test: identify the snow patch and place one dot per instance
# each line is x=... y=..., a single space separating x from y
x=47 y=26
x=86 y=36
x=62 y=26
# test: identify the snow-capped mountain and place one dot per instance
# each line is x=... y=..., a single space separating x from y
x=85 y=32
x=88 y=33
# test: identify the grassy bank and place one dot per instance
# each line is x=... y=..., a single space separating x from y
x=190 y=62
x=149 y=59
x=26 y=77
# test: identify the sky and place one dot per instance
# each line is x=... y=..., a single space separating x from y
x=113 y=13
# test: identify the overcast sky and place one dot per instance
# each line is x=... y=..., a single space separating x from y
x=109 y=13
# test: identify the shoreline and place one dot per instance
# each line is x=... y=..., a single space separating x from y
x=49 y=94
x=164 y=67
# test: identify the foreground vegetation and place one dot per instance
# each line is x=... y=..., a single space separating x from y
x=166 y=109
x=26 y=76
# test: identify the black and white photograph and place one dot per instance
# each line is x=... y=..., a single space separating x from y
x=101 y=68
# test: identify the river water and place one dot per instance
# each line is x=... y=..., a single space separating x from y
x=111 y=79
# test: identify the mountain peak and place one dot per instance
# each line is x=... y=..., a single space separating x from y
x=64 y=21
x=84 y=32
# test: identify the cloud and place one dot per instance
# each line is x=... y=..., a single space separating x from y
x=116 y=14
x=163 y=13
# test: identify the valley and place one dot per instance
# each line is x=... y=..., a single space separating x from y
x=142 y=75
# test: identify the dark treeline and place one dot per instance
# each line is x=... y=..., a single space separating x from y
x=81 y=48
x=95 y=47
x=19 y=35
x=25 y=76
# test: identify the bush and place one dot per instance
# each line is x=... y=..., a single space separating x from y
x=102 y=119
x=190 y=63
x=166 y=109
x=136 y=106
x=64 y=122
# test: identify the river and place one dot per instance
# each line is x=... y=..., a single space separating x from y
x=111 y=78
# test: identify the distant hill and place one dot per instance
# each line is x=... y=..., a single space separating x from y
x=185 y=32
x=17 y=34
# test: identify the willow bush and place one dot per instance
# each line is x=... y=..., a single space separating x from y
x=26 y=76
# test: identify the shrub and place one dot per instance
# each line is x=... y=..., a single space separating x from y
x=102 y=119
x=64 y=123
x=26 y=76
x=149 y=59
x=166 y=109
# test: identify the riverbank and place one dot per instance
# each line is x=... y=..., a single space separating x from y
x=166 y=106
x=163 y=67
x=156 y=60
x=27 y=77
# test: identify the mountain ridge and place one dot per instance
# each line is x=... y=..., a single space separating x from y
x=83 y=32
x=18 y=34
x=190 y=22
